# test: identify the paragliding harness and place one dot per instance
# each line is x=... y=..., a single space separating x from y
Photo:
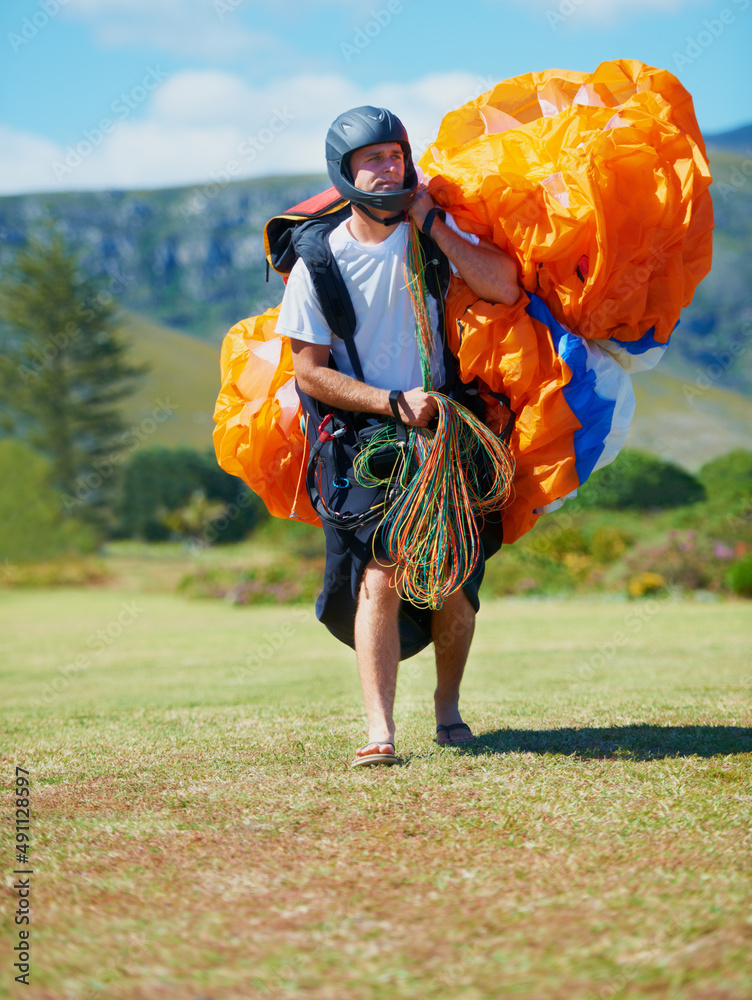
x=337 y=436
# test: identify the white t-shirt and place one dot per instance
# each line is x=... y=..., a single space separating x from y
x=385 y=322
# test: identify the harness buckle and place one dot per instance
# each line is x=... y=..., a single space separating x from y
x=325 y=435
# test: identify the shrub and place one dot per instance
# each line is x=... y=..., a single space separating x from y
x=638 y=481
x=517 y=571
x=555 y=540
x=609 y=543
x=157 y=490
x=645 y=584
x=33 y=526
x=728 y=477
x=683 y=559
x=63 y=571
x=286 y=582
x=739 y=577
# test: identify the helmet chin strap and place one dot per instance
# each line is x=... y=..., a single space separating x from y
x=391 y=221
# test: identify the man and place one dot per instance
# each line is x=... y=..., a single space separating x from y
x=370 y=163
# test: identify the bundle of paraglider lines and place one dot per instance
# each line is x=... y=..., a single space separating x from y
x=597 y=185
x=451 y=476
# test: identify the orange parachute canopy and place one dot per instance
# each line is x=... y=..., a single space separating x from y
x=596 y=183
x=534 y=375
x=258 y=436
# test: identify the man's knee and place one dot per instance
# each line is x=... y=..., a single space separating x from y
x=378 y=583
x=454 y=622
x=458 y=605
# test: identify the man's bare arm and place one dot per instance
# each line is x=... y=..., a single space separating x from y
x=490 y=272
x=333 y=388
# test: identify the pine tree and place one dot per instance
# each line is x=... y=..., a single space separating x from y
x=63 y=370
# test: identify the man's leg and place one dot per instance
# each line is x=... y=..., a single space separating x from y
x=377 y=647
x=453 y=628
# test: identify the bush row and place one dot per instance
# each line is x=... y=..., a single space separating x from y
x=703 y=538
x=162 y=493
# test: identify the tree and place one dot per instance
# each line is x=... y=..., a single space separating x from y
x=63 y=369
x=639 y=481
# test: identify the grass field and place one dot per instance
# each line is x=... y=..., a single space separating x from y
x=197 y=832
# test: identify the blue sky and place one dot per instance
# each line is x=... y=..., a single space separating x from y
x=153 y=93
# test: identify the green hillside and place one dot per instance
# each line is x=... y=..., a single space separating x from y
x=175 y=401
x=687 y=425
x=717 y=326
x=674 y=419
x=191 y=261
x=196 y=264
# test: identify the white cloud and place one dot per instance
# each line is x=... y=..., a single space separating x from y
x=617 y=6
x=422 y=104
x=200 y=124
x=26 y=163
x=207 y=96
x=608 y=11
x=94 y=8
x=208 y=29
x=90 y=8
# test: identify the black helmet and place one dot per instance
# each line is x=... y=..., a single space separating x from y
x=364 y=127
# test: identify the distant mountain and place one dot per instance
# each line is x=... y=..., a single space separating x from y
x=683 y=423
x=738 y=140
x=193 y=258
x=190 y=258
x=714 y=338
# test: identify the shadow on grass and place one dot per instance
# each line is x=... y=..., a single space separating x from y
x=638 y=742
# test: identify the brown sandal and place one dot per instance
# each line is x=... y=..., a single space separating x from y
x=367 y=759
x=449 y=742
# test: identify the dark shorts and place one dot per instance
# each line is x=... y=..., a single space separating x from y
x=347 y=555
x=349 y=552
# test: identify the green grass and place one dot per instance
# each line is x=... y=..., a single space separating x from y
x=197 y=831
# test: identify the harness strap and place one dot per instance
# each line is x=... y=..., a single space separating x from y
x=310 y=241
x=312 y=245
x=391 y=221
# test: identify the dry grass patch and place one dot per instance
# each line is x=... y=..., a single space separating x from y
x=593 y=843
